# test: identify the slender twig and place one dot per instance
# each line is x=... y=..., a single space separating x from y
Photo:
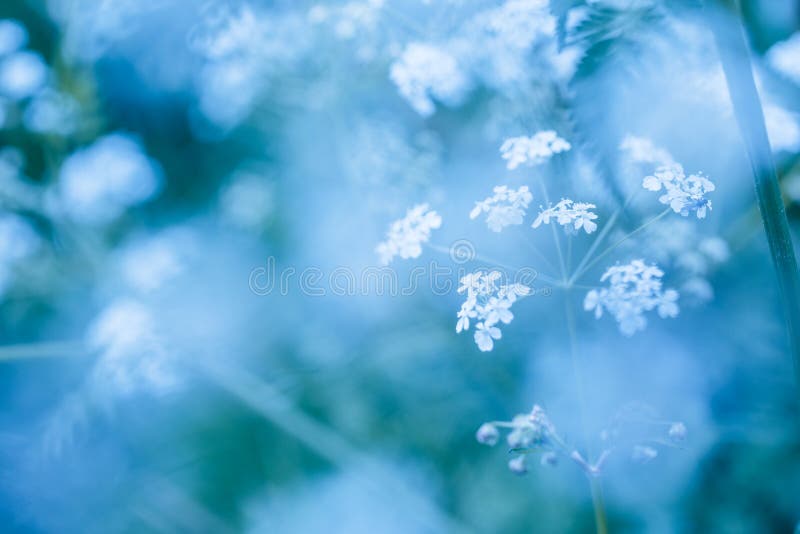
x=617 y=243
x=490 y=261
x=607 y=227
x=731 y=40
x=555 y=238
x=594 y=483
x=47 y=349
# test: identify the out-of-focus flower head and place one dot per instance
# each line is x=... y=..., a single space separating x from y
x=51 y=112
x=13 y=36
x=406 y=236
x=532 y=150
x=99 y=182
x=18 y=240
x=426 y=72
x=22 y=74
x=505 y=208
x=132 y=355
x=785 y=57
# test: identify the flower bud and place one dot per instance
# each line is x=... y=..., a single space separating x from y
x=487 y=434
x=518 y=466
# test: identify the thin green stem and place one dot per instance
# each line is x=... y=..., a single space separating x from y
x=485 y=259
x=598 y=504
x=555 y=238
x=49 y=349
x=618 y=243
x=599 y=239
x=536 y=250
x=601 y=236
x=734 y=54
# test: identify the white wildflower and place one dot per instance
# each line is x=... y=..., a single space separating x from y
x=132 y=355
x=487 y=434
x=22 y=74
x=13 y=36
x=99 y=182
x=785 y=57
x=488 y=303
x=406 y=236
x=532 y=150
x=518 y=465
x=643 y=150
x=573 y=216
x=504 y=208
x=684 y=194
x=18 y=241
x=425 y=73
x=783 y=129
x=51 y=112
x=633 y=289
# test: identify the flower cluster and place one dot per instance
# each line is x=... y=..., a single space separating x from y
x=532 y=150
x=633 y=289
x=488 y=303
x=99 y=182
x=132 y=355
x=634 y=428
x=684 y=194
x=504 y=208
x=425 y=72
x=783 y=57
x=527 y=432
x=573 y=216
x=406 y=236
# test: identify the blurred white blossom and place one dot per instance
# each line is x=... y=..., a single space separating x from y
x=22 y=74
x=148 y=265
x=783 y=129
x=406 y=236
x=99 y=182
x=506 y=207
x=132 y=356
x=785 y=57
x=51 y=112
x=573 y=216
x=424 y=73
x=532 y=150
x=634 y=289
x=13 y=36
x=248 y=200
x=18 y=240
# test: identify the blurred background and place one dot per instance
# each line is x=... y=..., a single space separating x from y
x=155 y=154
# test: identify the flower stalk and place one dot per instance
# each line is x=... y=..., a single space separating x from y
x=734 y=54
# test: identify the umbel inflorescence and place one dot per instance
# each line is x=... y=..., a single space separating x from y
x=629 y=291
x=633 y=289
x=635 y=431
